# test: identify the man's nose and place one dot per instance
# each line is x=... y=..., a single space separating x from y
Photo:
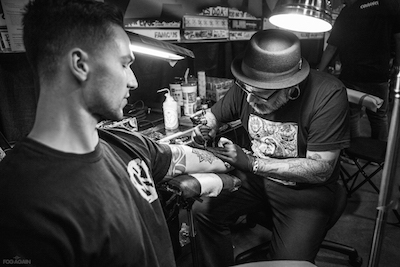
x=132 y=82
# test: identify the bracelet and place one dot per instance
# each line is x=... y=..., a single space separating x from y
x=255 y=165
x=227 y=165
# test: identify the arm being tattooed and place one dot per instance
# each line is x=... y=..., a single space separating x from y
x=186 y=159
x=317 y=167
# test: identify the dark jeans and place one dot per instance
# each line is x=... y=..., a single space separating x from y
x=378 y=120
x=299 y=216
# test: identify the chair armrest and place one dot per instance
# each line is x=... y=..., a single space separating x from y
x=197 y=185
x=369 y=101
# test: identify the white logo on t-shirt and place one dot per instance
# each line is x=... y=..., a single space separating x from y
x=140 y=177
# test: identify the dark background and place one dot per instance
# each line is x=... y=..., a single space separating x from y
x=18 y=95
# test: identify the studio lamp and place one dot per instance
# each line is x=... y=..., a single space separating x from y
x=157 y=48
x=303 y=15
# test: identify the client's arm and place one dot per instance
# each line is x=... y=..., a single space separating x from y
x=187 y=159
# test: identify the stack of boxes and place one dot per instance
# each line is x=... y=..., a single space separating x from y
x=198 y=27
x=212 y=23
x=242 y=25
x=11 y=28
x=216 y=88
x=157 y=29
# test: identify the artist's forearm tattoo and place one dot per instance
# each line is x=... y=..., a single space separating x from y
x=204 y=155
x=178 y=162
x=310 y=170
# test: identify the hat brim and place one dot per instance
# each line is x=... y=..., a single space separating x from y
x=279 y=84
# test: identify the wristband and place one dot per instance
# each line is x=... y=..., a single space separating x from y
x=255 y=165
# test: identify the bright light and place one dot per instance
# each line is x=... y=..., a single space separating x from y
x=154 y=52
x=300 y=23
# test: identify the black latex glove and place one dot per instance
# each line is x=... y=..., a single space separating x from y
x=202 y=135
x=234 y=155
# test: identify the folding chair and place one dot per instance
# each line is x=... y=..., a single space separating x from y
x=365 y=152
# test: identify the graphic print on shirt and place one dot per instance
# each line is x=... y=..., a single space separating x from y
x=140 y=177
x=273 y=139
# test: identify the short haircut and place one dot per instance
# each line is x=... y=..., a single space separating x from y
x=52 y=27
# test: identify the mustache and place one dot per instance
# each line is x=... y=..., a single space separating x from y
x=269 y=107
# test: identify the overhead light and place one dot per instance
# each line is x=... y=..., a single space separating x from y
x=157 y=48
x=303 y=15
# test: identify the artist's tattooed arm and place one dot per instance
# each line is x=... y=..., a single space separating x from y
x=186 y=159
x=317 y=167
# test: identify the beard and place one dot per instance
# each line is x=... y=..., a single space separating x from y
x=267 y=107
x=105 y=111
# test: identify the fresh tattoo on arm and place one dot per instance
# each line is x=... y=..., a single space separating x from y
x=178 y=161
x=204 y=155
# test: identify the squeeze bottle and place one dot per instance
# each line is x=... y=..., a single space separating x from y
x=170 y=110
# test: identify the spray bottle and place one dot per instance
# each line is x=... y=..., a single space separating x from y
x=170 y=110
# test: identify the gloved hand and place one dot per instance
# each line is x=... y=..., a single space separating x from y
x=203 y=134
x=234 y=155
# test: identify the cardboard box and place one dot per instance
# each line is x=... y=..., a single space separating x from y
x=204 y=22
x=245 y=24
x=13 y=12
x=240 y=35
x=151 y=23
x=159 y=34
x=216 y=88
x=154 y=28
x=205 y=34
x=217 y=11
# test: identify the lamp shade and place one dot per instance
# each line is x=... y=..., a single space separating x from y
x=157 y=48
x=303 y=15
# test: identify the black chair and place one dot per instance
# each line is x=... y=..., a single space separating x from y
x=185 y=190
x=262 y=249
x=364 y=152
x=368 y=156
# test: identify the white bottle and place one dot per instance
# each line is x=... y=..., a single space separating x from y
x=170 y=110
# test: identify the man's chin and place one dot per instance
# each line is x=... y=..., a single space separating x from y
x=261 y=109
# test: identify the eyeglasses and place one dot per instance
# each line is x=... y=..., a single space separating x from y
x=250 y=90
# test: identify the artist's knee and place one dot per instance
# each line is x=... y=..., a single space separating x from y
x=200 y=209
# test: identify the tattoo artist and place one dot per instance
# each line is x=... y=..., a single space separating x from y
x=297 y=122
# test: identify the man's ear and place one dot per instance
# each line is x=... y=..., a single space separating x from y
x=79 y=64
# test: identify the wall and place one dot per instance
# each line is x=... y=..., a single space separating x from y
x=18 y=97
x=212 y=57
x=155 y=8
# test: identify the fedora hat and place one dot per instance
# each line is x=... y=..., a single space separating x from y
x=271 y=60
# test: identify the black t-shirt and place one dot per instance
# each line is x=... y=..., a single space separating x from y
x=95 y=209
x=316 y=121
x=363 y=35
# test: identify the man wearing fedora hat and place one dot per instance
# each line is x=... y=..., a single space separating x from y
x=297 y=122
